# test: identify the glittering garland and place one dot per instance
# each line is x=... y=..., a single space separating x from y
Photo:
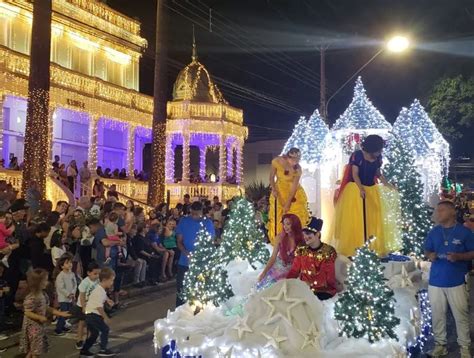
x=425 y=325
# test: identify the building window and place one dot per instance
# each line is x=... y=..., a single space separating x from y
x=61 y=54
x=21 y=36
x=100 y=65
x=81 y=60
x=265 y=158
x=115 y=73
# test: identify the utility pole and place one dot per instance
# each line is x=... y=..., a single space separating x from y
x=323 y=110
x=36 y=148
x=156 y=186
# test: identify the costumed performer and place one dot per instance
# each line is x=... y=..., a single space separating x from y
x=359 y=185
x=283 y=252
x=315 y=262
x=288 y=196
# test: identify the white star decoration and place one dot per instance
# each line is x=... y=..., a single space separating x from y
x=228 y=354
x=272 y=316
x=311 y=337
x=241 y=326
x=274 y=339
x=406 y=281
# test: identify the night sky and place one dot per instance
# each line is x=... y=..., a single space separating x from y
x=264 y=53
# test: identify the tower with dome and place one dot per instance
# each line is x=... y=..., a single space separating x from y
x=204 y=138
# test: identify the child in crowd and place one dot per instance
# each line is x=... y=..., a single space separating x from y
x=85 y=289
x=33 y=340
x=4 y=234
x=96 y=318
x=66 y=286
x=112 y=232
x=58 y=248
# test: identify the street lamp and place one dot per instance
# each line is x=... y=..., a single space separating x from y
x=396 y=44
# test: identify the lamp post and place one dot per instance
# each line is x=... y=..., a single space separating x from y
x=396 y=44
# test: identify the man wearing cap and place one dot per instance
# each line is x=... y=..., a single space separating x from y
x=314 y=263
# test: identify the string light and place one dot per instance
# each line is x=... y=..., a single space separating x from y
x=417 y=347
x=131 y=150
x=92 y=154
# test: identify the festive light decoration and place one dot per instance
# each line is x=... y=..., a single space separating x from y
x=424 y=324
x=242 y=237
x=298 y=139
x=318 y=137
x=415 y=220
x=361 y=113
x=205 y=281
x=366 y=308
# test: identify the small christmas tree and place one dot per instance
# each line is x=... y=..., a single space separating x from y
x=366 y=308
x=206 y=280
x=415 y=220
x=242 y=237
x=317 y=136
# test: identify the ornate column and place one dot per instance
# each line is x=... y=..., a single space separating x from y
x=131 y=150
x=238 y=169
x=230 y=159
x=52 y=116
x=169 y=163
x=186 y=159
x=2 y=102
x=202 y=160
x=92 y=154
x=222 y=159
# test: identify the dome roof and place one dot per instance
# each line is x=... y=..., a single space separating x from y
x=194 y=83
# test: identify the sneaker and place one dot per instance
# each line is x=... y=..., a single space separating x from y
x=465 y=352
x=66 y=329
x=439 y=351
x=79 y=345
x=5 y=262
x=107 y=261
x=59 y=334
x=86 y=354
x=3 y=337
x=3 y=350
x=106 y=353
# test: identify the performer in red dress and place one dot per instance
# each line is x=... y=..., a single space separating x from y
x=314 y=263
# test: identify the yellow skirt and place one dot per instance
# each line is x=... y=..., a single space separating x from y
x=381 y=221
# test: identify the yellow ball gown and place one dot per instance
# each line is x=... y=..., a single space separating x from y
x=299 y=204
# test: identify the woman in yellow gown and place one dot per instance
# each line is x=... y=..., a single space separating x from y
x=288 y=196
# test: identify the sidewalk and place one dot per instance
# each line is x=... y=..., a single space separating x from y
x=130 y=325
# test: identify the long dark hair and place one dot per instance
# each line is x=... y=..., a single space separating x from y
x=297 y=232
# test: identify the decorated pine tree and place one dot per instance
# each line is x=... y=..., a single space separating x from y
x=206 y=280
x=298 y=138
x=401 y=171
x=242 y=237
x=366 y=309
x=317 y=137
x=361 y=113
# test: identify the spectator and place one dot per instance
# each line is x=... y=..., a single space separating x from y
x=168 y=240
x=72 y=172
x=53 y=221
x=66 y=286
x=112 y=192
x=187 y=204
x=85 y=177
x=107 y=173
x=116 y=174
x=162 y=211
x=58 y=249
x=5 y=232
x=62 y=208
x=13 y=163
x=33 y=198
x=37 y=249
x=99 y=171
x=186 y=232
x=2 y=163
x=123 y=174
x=167 y=256
x=55 y=164
x=175 y=214
x=63 y=175
x=96 y=319
x=450 y=248
x=139 y=264
x=98 y=189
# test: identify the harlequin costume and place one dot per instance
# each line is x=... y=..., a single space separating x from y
x=299 y=203
x=316 y=266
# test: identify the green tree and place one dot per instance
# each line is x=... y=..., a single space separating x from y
x=415 y=220
x=206 y=280
x=366 y=309
x=451 y=106
x=242 y=237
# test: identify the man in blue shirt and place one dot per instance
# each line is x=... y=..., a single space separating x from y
x=186 y=233
x=450 y=248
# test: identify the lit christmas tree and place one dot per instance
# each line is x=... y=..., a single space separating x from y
x=206 y=280
x=415 y=220
x=361 y=113
x=366 y=309
x=297 y=139
x=404 y=128
x=242 y=238
x=316 y=138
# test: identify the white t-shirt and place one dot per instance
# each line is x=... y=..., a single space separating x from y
x=86 y=286
x=96 y=300
x=56 y=253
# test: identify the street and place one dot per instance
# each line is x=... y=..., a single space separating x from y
x=131 y=329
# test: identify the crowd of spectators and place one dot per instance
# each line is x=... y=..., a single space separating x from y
x=138 y=244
